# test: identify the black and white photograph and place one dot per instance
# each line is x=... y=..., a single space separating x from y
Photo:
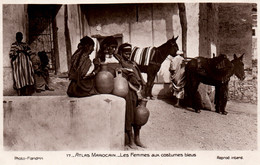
x=133 y=82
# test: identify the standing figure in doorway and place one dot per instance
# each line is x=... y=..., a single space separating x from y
x=22 y=67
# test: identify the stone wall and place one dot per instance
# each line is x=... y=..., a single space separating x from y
x=244 y=91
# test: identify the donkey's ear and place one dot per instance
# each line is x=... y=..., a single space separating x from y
x=235 y=56
x=175 y=38
x=241 y=57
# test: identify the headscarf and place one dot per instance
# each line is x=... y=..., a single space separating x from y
x=108 y=41
x=80 y=56
x=124 y=46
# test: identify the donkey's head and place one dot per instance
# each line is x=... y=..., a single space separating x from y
x=172 y=46
x=239 y=67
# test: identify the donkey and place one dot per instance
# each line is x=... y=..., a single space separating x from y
x=215 y=72
x=149 y=60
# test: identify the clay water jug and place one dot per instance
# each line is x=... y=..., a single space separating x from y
x=104 y=80
x=120 y=84
x=141 y=113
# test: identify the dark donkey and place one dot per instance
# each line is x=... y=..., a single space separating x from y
x=149 y=61
x=216 y=72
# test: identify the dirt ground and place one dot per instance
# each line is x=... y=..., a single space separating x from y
x=171 y=128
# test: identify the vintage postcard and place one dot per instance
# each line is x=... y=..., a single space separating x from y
x=133 y=82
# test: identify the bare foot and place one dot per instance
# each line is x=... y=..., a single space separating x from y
x=224 y=113
x=138 y=143
x=177 y=106
x=197 y=111
x=132 y=146
x=151 y=97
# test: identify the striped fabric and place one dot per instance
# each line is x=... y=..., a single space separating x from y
x=21 y=65
x=142 y=56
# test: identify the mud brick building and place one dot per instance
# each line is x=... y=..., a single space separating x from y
x=204 y=29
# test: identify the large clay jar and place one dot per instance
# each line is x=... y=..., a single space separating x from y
x=120 y=85
x=141 y=113
x=104 y=80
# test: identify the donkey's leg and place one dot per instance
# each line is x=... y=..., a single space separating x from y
x=151 y=73
x=223 y=98
x=195 y=96
x=191 y=91
x=146 y=89
x=217 y=99
x=187 y=90
x=150 y=83
x=196 y=99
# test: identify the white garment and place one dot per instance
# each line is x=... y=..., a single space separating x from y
x=111 y=59
x=177 y=78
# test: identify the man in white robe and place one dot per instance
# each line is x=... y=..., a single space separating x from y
x=177 y=70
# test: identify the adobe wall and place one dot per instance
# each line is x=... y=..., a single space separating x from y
x=208 y=30
x=142 y=25
x=14 y=20
x=192 y=13
x=235 y=30
x=77 y=27
x=68 y=44
x=68 y=125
